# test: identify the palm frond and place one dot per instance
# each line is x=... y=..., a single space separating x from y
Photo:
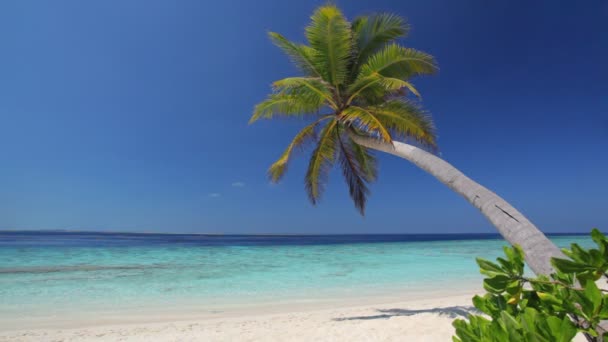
x=373 y=32
x=362 y=76
x=305 y=136
x=365 y=159
x=321 y=161
x=302 y=56
x=398 y=62
x=354 y=175
x=330 y=35
x=406 y=119
x=388 y=84
x=365 y=120
x=287 y=104
x=316 y=85
x=360 y=85
x=393 y=84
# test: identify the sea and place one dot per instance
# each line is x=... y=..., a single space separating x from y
x=50 y=274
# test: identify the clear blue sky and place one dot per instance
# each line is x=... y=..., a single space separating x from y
x=132 y=115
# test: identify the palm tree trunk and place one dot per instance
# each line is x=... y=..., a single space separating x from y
x=510 y=223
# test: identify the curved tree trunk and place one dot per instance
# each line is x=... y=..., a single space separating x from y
x=510 y=223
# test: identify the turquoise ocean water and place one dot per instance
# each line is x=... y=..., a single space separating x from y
x=49 y=273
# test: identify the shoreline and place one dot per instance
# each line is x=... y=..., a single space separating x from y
x=189 y=309
x=427 y=319
x=424 y=317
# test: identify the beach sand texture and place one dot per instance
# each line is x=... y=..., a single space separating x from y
x=426 y=320
x=417 y=320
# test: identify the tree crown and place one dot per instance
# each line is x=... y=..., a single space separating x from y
x=356 y=80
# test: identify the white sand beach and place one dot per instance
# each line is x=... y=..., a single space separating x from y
x=412 y=320
x=423 y=319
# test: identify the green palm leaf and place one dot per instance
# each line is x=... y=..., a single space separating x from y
x=353 y=174
x=330 y=35
x=285 y=104
x=321 y=161
x=306 y=135
x=365 y=159
x=363 y=118
x=399 y=62
x=302 y=56
x=299 y=84
x=358 y=168
x=373 y=32
x=388 y=84
x=392 y=84
x=362 y=76
x=406 y=119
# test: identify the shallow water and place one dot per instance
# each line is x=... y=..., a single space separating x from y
x=42 y=273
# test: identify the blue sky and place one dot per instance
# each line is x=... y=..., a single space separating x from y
x=132 y=115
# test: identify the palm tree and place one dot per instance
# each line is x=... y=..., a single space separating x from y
x=356 y=89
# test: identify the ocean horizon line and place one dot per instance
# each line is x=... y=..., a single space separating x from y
x=68 y=231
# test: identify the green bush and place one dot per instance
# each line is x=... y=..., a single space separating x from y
x=549 y=309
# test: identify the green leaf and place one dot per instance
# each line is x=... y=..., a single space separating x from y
x=512 y=268
x=562 y=330
x=594 y=295
x=496 y=284
x=464 y=331
x=568 y=266
x=480 y=303
x=321 y=161
x=389 y=85
x=515 y=256
x=405 y=119
x=597 y=258
x=528 y=320
x=579 y=254
x=301 y=55
x=599 y=238
x=297 y=85
x=354 y=173
x=305 y=136
x=585 y=306
x=514 y=288
x=511 y=325
x=364 y=119
x=549 y=299
x=366 y=160
x=288 y=105
x=399 y=62
x=490 y=304
x=373 y=32
x=604 y=311
x=489 y=268
x=330 y=35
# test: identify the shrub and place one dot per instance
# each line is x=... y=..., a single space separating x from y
x=556 y=308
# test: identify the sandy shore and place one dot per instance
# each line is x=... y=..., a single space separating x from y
x=425 y=320
x=413 y=320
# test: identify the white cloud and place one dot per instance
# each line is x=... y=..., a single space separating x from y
x=238 y=184
x=214 y=195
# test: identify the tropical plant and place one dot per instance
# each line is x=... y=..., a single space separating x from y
x=356 y=89
x=355 y=76
x=553 y=308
